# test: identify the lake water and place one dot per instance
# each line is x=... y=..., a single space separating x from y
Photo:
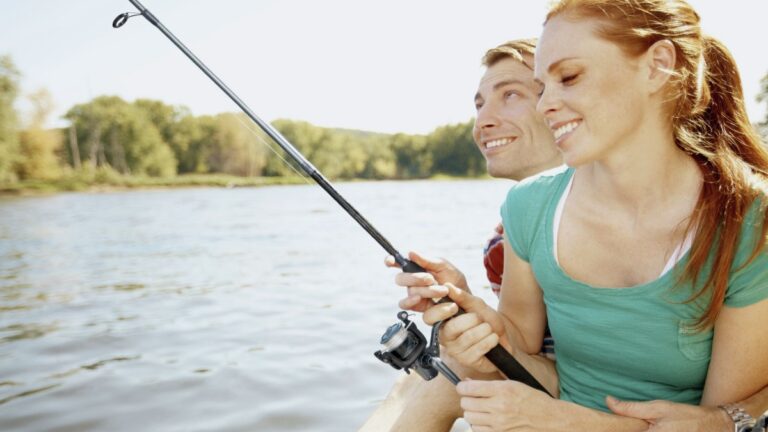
x=215 y=309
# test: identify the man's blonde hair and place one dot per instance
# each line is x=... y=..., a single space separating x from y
x=521 y=50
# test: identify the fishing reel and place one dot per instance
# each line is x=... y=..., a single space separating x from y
x=405 y=347
x=760 y=425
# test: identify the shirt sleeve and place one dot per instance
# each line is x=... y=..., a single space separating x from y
x=748 y=284
x=513 y=217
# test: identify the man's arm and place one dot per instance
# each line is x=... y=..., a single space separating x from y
x=672 y=417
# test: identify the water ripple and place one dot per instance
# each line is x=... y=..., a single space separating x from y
x=213 y=309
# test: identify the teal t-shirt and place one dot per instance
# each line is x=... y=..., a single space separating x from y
x=633 y=343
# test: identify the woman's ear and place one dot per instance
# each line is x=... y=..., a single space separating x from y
x=660 y=58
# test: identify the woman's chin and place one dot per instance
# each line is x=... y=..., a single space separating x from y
x=574 y=159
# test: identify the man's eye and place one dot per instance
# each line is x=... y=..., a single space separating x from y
x=509 y=93
x=540 y=92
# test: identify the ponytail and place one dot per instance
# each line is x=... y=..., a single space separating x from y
x=734 y=163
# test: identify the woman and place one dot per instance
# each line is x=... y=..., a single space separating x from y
x=648 y=255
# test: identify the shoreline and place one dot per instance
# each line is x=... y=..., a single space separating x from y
x=74 y=184
x=120 y=184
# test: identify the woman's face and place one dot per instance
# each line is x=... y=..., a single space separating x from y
x=592 y=94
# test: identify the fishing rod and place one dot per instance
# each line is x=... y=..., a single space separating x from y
x=500 y=357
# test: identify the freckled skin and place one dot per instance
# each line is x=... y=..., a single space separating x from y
x=596 y=84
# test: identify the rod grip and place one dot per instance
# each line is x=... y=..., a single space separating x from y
x=412 y=267
x=511 y=368
x=505 y=362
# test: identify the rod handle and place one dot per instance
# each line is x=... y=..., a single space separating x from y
x=412 y=267
x=505 y=362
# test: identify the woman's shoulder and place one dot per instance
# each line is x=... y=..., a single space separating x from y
x=540 y=187
x=528 y=203
x=754 y=221
x=748 y=281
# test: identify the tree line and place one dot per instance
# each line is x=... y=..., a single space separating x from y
x=149 y=138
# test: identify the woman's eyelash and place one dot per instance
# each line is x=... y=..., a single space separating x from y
x=568 y=78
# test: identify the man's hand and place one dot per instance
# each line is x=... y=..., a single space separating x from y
x=424 y=287
x=664 y=416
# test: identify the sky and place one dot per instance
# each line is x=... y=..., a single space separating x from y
x=394 y=66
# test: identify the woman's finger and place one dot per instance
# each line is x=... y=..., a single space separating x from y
x=474 y=335
x=454 y=328
x=474 y=404
x=474 y=356
x=415 y=303
x=478 y=420
x=431 y=292
x=414 y=279
x=439 y=312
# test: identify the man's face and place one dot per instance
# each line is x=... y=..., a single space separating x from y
x=511 y=134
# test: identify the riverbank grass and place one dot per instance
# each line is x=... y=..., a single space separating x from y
x=107 y=179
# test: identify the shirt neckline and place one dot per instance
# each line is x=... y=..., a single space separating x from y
x=654 y=285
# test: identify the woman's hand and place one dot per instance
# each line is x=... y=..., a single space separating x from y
x=508 y=406
x=424 y=288
x=513 y=406
x=469 y=336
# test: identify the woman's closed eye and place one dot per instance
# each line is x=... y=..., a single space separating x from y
x=569 y=79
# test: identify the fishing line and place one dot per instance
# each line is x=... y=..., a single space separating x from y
x=272 y=149
x=499 y=356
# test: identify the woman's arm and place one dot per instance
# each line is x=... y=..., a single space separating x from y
x=739 y=365
x=521 y=303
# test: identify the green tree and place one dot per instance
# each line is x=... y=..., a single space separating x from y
x=39 y=147
x=380 y=159
x=180 y=130
x=233 y=147
x=337 y=153
x=413 y=158
x=9 y=138
x=454 y=151
x=307 y=139
x=114 y=133
x=762 y=96
x=191 y=143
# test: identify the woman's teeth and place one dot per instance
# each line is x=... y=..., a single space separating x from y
x=564 y=129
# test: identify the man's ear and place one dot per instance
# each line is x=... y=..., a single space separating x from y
x=660 y=59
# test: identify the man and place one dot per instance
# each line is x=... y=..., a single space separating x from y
x=516 y=143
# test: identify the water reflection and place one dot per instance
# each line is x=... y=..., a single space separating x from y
x=28 y=393
x=123 y=287
x=25 y=331
x=93 y=366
